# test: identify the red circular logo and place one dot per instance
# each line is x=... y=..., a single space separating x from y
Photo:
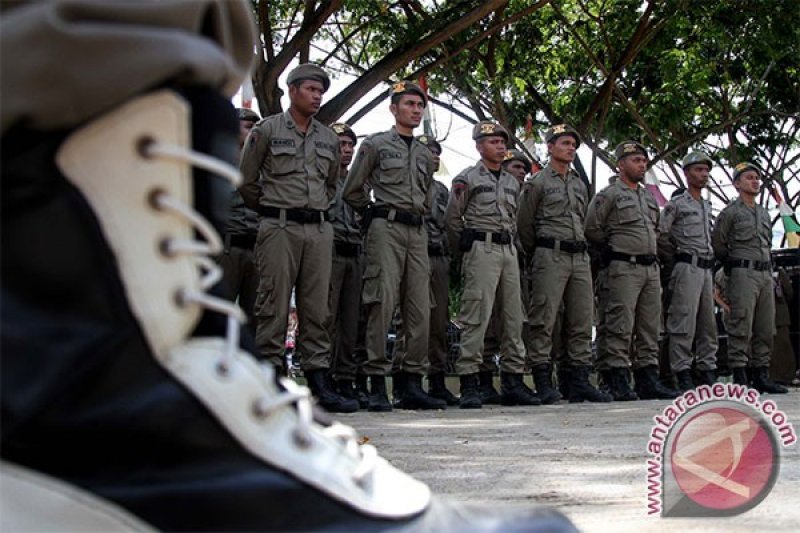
x=724 y=458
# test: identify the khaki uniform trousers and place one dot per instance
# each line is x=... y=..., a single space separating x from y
x=491 y=269
x=690 y=318
x=561 y=277
x=241 y=280
x=633 y=315
x=751 y=322
x=440 y=313
x=344 y=302
x=294 y=255
x=601 y=304
x=397 y=272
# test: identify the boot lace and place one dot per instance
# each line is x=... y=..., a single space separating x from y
x=201 y=252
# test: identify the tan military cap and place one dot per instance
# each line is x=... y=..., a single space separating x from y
x=741 y=168
x=309 y=71
x=516 y=155
x=407 y=87
x=247 y=114
x=626 y=148
x=557 y=130
x=340 y=128
x=487 y=128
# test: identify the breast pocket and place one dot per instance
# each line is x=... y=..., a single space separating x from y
x=392 y=170
x=553 y=205
x=284 y=160
x=627 y=211
x=743 y=230
x=691 y=230
x=324 y=161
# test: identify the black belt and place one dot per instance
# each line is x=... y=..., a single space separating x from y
x=248 y=242
x=571 y=247
x=694 y=260
x=301 y=215
x=403 y=217
x=645 y=260
x=436 y=250
x=347 y=249
x=497 y=238
x=749 y=263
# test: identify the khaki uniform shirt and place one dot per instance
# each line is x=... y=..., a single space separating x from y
x=284 y=168
x=242 y=220
x=625 y=218
x=552 y=206
x=435 y=221
x=346 y=226
x=743 y=232
x=399 y=177
x=480 y=201
x=685 y=227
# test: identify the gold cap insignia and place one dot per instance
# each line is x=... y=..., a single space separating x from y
x=423 y=139
x=630 y=148
x=742 y=166
x=399 y=87
x=339 y=128
x=559 y=129
x=509 y=155
x=487 y=129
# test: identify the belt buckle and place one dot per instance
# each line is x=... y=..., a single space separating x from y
x=632 y=259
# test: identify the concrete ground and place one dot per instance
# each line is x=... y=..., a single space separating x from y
x=587 y=460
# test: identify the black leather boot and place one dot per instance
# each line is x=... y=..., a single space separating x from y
x=378 y=399
x=513 y=390
x=438 y=389
x=706 y=377
x=414 y=397
x=763 y=384
x=122 y=374
x=470 y=397
x=399 y=380
x=488 y=394
x=564 y=374
x=582 y=390
x=685 y=381
x=648 y=387
x=619 y=385
x=327 y=398
x=740 y=376
x=543 y=379
x=362 y=391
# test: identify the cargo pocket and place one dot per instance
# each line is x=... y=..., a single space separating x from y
x=538 y=312
x=736 y=322
x=265 y=298
x=471 y=307
x=371 y=292
x=678 y=320
x=617 y=320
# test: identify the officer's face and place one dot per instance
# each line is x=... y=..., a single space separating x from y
x=749 y=182
x=697 y=175
x=563 y=149
x=633 y=167
x=492 y=149
x=437 y=156
x=306 y=97
x=346 y=148
x=516 y=169
x=408 y=110
x=244 y=128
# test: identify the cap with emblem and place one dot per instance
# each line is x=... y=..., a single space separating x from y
x=487 y=128
x=309 y=71
x=340 y=128
x=741 y=168
x=247 y=114
x=430 y=142
x=557 y=130
x=697 y=158
x=407 y=87
x=626 y=148
x=516 y=155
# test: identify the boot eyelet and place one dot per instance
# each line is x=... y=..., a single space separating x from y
x=222 y=370
x=165 y=249
x=153 y=197
x=180 y=298
x=143 y=145
x=258 y=410
x=300 y=440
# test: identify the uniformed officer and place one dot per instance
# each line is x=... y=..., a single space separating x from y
x=624 y=218
x=439 y=259
x=347 y=268
x=519 y=166
x=551 y=229
x=237 y=259
x=399 y=170
x=742 y=240
x=685 y=242
x=290 y=164
x=481 y=217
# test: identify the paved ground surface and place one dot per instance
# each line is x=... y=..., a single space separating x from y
x=587 y=460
